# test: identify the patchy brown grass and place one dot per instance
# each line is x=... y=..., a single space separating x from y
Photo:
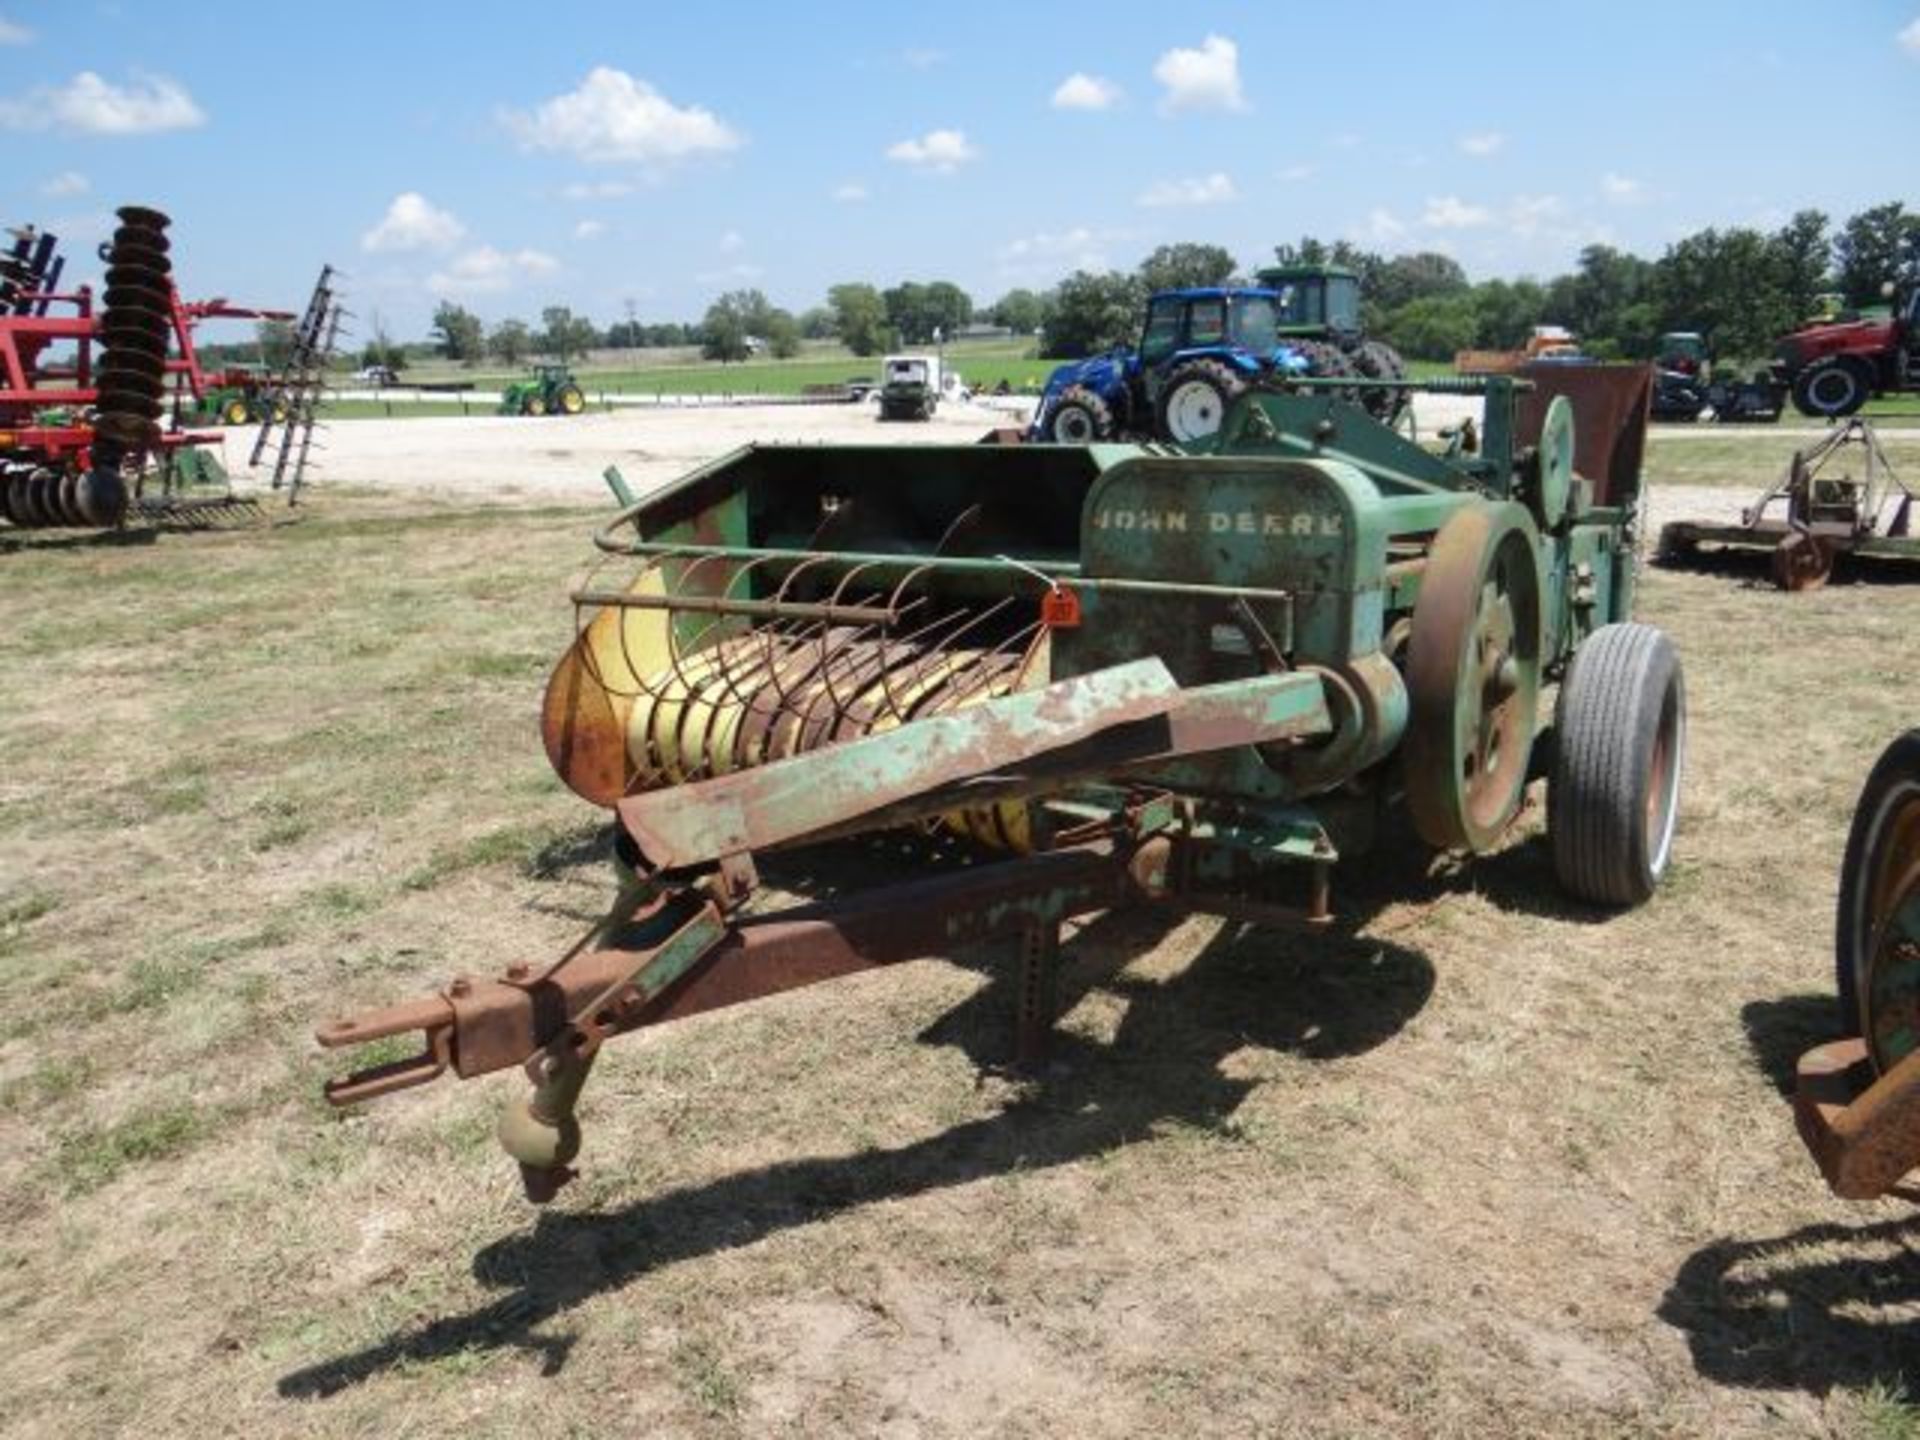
x=1490 y=1165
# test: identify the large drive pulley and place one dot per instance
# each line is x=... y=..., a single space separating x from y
x=1877 y=930
x=1473 y=677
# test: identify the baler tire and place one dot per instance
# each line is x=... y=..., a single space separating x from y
x=1222 y=381
x=1859 y=388
x=1620 y=749
x=1886 y=822
x=1089 y=408
x=1376 y=360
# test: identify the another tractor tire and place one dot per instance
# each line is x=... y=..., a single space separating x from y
x=1874 y=884
x=1620 y=747
x=535 y=405
x=1329 y=362
x=1194 y=401
x=280 y=412
x=1832 y=388
x=1376 y=360
x=1079 y=417
x=570 y=401
x=235 y=412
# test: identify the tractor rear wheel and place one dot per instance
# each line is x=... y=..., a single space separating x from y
x=1194 y=400
x=1376 y=360
x=1079 y=417
x=1329 y=362
x=1877 y=925
x=1832 y=388
x=571 y=401
x=1620 y=745
x=234 y=412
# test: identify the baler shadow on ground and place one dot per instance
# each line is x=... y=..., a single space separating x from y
x=1317 y=996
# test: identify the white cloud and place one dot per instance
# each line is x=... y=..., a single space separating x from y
x=589 y=229
x=940 y=151
x=1484 y=143
x=1531 y=214
x=1623 y=189
x=67 y=182
x=732 y=242
x=1909 y=38
x=596 y=190
x=852 y=192
x=1383 y=225
x=1213 y=189
x=1449 y=212
x=1345 y=140
x=922 y=58
x=1081 y=91
x=1203 y=79
x=487 y=269
x=14 y=34
x=1295 y=173
x=614 y=117
x=1051 y=252
x=413 y=222
x=89 y=105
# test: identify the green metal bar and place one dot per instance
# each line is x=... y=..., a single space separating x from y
x=622 y=492
x=1043 y=571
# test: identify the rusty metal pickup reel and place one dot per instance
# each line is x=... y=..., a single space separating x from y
x=1138 y=674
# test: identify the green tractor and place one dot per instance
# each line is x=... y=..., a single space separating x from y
x=238 y=395
x=547 y=390
x=1320 y=318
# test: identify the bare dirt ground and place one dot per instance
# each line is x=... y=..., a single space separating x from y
x=1480 y=1163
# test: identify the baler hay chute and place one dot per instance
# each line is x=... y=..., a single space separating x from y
x=1135 y=673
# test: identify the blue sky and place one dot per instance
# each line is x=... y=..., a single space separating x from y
x=584 y=153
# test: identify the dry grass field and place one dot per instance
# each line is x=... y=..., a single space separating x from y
x=1482 y=1163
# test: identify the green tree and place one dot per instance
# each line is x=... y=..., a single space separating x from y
x=1505 y=312
x=1869 y=249
x=564 y=334
x=1021 y=311
x=945 y=307
x=816 y=323
x=275 y=338
x=782 y=334
x=859 y=318
x=1727 y=285
x=458 y=333
x=1175 y=267
x=510 y=341
x=1406 y=278
x=1804 y=253
x=907 y=312
x=1434 y=327
x=731 y=321
x=1090 y=313
x=1607 y=286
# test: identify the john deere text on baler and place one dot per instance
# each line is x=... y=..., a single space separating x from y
x=1139 y=674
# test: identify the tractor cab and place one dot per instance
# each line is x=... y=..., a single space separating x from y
x=1321 y=300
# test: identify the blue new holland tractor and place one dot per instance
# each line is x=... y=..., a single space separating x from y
x=1199 y=348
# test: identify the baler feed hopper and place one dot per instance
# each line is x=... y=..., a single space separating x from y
x=1131 y=673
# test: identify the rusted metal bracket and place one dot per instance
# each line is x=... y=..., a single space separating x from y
x=1864 y=1132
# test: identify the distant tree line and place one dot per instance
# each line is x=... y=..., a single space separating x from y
x=1739 y=286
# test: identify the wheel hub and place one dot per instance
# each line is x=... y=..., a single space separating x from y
x=1193 y=411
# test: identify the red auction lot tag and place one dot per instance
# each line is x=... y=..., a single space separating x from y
x=1060 y=608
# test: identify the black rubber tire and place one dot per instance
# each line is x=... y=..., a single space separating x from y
x=1087 y=408
x=1377 y=360
x=1892 y=782
x=1329 y=362
x=1623 y=694
x=1225 y=383
x=1832 y=388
